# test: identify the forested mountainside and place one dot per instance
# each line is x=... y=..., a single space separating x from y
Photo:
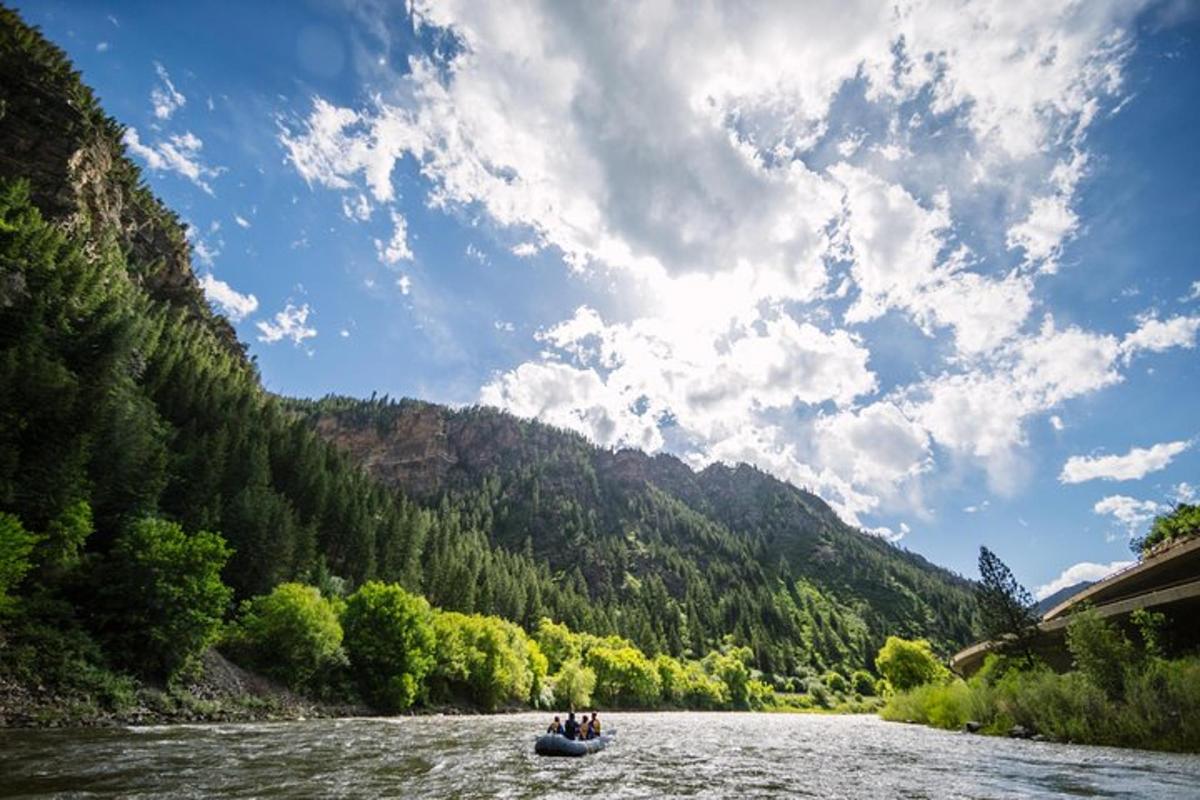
x=123 y=397
x=724 y=550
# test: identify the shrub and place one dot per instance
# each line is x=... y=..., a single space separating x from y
x=701 y=690
x=488 y=659
x=624 y=676
x=557 y=642
x=863 y=683
x=1099 y=651
x=161 y=595
x=836 y=682
x=907 y=664
x=390 y=641
x=15 y=546
x=732 y=668
x=573 y=685
x=291 y=634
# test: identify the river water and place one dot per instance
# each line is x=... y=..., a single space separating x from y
x=655 y=755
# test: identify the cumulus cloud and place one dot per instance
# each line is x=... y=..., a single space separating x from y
x=1130 y=512
x=291 y=323
x=233 y=304
x=178 y=153
x=241 y=221
x=357 y=209
x=1077 y=573
x=690 y=174
x=165 y=98
x=1136 y=464
x=1155 y=336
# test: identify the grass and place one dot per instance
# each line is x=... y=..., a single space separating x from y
x=1159 y=708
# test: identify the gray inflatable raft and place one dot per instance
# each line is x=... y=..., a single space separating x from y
x=554 y=744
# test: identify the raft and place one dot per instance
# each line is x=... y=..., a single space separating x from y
x=555 y=744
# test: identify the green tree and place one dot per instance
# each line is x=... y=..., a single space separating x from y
x=1007 y=613
x=573 y=685
x=908 y=664
x=161 y=595
x=390 y=641
x=863 y=683
x=291 y=634
x=624 y=676
x=557 y=641
x=16 y=544
x=1100 y=651
x=732 y=668
x=1181 y=522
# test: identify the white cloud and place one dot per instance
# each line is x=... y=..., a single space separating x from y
x=1183 y=492
x=241 y=221
x=1041 y=234
x=396 y=248
x=179 y=153
x=358 y=209
x=404 y=283
x=1130 y=512
x=1156 y=336
x=1077 y=573
x=685 y=174
x=290 y=323
x=1193 y=294
x=101 y=47
x=232 y=303
x=502 y=325
x=1056 y=422
x=344 y=333
x=1134 y=465
x=165 y=98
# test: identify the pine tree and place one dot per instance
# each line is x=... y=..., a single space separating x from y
x=1006 y=609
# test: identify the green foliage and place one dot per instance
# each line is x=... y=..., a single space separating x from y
x=486 y=659
x=732 y=667
x=1151 y=627
x=16 y=544
x=862 y=682
x=573 y=685
x=557 y=643
x=291 y=634
x=1100 y=651
x=1160 y=709
x=836 y=682
x=1180 y=523
x=624 y=676
x=390 y=640
x=1007 y=612
x=908 y=664
x=161 y=595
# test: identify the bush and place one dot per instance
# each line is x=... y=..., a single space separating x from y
x=15 y=546
x=624 y=676
x=863 y=683
x=701 y=690
x=389 y=638
x=836 y=682
x=733 y=670
x=487 y=659
x=557 y=642
x=1099 y=651
x=907 y=664
x=291 y=634
x=161 y=595
x=573 y=685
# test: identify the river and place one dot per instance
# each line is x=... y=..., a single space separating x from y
x=655 y=755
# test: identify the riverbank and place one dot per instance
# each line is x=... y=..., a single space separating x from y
x=221 y=691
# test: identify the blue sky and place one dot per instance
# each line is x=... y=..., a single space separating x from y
x=940 y=265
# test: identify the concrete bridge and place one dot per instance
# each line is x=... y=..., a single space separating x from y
x=1168 y=580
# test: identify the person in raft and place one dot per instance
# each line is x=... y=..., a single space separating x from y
x=571 y=728
x=585 y=728
x=595 y=726
x=555 y=727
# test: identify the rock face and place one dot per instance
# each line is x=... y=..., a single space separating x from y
x=54 y=135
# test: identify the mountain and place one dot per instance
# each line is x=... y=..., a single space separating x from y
x=1047 y=603
x=625 y=524
x=124 y=396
